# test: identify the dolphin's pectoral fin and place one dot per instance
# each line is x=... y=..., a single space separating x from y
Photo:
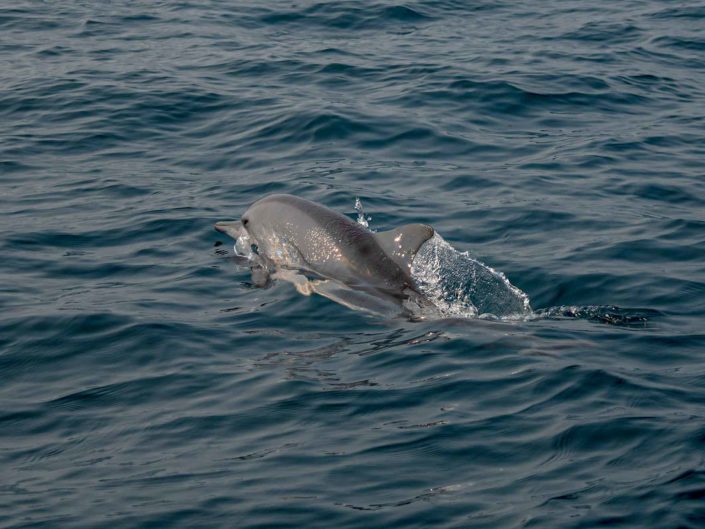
x=402 y=243
x=356 y=299
x=340 y=293
x=302 y=284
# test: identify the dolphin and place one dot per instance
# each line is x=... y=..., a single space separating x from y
x=320 y=250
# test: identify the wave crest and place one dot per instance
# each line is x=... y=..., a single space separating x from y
x=459 y=285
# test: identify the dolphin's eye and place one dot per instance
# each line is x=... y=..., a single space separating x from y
x=254 y=249
x=245 y=221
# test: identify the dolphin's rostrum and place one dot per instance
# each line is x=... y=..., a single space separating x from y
x=323 y=251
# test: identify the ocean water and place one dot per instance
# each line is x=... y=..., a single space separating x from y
x=145 y=382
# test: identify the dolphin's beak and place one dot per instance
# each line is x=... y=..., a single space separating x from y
x=232 y=228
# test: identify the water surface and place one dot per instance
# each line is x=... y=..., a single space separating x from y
x=147 y=383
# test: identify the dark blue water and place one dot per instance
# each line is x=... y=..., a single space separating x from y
x=144 y=382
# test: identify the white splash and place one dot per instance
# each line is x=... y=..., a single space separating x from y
x=461 y=286
x=362 y=219
x=243 y=246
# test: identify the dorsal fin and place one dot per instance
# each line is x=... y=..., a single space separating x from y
x=401 y=244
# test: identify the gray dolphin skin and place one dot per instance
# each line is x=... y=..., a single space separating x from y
x=323 y=251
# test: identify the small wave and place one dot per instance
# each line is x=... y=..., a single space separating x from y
x=459 y=285
x=347 y=16
x=609 y=314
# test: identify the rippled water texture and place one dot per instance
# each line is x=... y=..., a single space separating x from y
x=146 y=383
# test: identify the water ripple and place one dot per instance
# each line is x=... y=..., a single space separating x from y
x=147 y=383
